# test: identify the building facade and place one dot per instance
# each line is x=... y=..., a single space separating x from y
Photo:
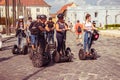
x=101 y=15
x=27 y=8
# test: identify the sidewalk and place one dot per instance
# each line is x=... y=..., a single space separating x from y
x=7 y=36
x=110 y=33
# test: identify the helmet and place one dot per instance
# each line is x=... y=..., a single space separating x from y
x=38 y=17
x=60 y=16
x=43 y=16
x=21 y=17
x=95 y=35
x=50 y=18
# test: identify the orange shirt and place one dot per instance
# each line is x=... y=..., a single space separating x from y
x=76 y=27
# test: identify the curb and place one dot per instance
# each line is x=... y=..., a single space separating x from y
x=110 y=33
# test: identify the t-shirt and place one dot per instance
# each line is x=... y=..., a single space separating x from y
x=88 y=25
x=34 y=25
x=50 y=24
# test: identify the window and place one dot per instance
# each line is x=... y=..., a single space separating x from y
x=37 y=10
x=96 y=14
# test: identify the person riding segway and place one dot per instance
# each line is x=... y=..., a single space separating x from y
x=40 y=56
x=50 y=37
x=62 y=53
x=21 y=46
x=90 y=35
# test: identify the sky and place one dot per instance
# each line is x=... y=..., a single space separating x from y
x=57 y=4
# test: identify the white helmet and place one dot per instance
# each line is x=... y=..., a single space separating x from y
x=21 y=17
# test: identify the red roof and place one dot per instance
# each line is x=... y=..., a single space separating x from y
x=64 y=8
x=29 y=3
x=2 y=2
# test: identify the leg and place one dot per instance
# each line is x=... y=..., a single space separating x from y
x=33 y=41
x=53 y=37
x=59 y=43
x=48 y=38
x=85 y=41
x=89 y=41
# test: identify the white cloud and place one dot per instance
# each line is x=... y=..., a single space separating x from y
x=108 y=2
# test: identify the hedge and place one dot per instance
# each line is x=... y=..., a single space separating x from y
x=112 y=25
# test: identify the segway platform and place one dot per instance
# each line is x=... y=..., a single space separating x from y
x=92 y=54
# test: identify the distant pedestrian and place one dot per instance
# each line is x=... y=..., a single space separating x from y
x=70 y=25
x=1 y=30
x=28 y=33
x=78 y=30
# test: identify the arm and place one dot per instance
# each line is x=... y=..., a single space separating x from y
x=93 y=27
x=41 y=28
x=46 y=28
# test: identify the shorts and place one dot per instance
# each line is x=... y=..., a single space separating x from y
x=33 y=39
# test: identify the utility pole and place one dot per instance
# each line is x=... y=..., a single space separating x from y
x=7 y=16
x=14 y=12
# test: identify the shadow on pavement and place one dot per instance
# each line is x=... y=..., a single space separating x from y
x=7 y=48
x=41 y=69
x=6 y=58
x=29 y=76
x=6 y=39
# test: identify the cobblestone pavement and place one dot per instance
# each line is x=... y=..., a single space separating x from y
x=106 y=67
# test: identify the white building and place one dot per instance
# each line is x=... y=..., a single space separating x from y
x=29 y=8
x=102 y=15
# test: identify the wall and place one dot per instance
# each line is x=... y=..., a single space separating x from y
x=78 y=13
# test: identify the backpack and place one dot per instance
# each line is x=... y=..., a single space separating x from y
x=79 y=29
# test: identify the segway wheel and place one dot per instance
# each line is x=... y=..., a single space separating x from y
x=30 y=53
x=15 y=50
x=37 y=60
x=94 y=54
x=46 y=58
x=25 y=50
x=69 y=54
x=56 y=57
x=81 y=54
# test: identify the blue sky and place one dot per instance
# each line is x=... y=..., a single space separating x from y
x=56 y=4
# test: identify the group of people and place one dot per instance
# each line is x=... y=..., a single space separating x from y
x=42 y=30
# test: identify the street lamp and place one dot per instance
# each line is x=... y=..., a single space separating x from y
x=106 y=19
x=75 y=15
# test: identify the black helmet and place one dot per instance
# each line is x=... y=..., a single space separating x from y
x=38 y=16
x=50 y=18
x=60 y=16
x=43 y=16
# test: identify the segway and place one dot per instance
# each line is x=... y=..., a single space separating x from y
x=65 y=56
x=92 y=53
x=17 y=50
x=41 y=57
